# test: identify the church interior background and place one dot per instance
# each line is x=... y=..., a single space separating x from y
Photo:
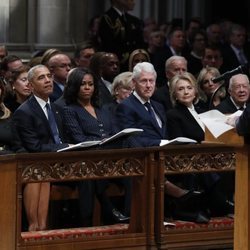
x=30 y=25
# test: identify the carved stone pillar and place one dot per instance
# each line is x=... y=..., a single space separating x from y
x=53 y=21
x=4 y=20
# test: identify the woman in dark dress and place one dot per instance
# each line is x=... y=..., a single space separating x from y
x=183 y=120
x=85 y=121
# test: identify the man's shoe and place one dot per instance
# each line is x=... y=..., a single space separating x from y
x=118 y=217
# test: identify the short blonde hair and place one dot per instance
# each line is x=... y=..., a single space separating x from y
x=123 y=80
x=186 y=76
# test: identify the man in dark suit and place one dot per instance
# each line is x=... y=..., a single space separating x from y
x=175 y=46
x=121 y=32
x=31 y=122
x=239 y=91
x=105 y=67
x=236 y=52
x=59 y=66
x=133 y=112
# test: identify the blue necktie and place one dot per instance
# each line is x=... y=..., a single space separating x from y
x=52 y=123
x=151 y=112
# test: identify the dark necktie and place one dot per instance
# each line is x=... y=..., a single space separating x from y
x=241 y=108
x=242 y=58
x=52 y=123
x=151 y=112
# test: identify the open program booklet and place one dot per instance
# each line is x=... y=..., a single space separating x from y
x=215 y=121
x=87 y=144
x=177 y=140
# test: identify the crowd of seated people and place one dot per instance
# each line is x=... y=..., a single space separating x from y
x=158 y=85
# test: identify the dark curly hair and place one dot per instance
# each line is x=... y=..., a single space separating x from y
x=73 y=85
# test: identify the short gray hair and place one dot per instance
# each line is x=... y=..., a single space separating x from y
x=31 y=72
x=173 y=59
x=143 y=66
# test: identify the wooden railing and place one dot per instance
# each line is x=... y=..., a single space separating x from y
x=147 y=168
x=74 y=166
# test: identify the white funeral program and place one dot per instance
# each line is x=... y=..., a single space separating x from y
x=215 y=121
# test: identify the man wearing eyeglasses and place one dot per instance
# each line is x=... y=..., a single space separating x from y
x=59 y=66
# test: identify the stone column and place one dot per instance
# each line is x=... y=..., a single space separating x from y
x=4 y=20
x=53 y=21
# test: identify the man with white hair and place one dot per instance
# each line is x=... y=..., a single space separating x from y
x=139 y=111
x=239 y=91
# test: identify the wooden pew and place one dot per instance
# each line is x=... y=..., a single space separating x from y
x=186 y=159
x=19 y=169
x=147 y=168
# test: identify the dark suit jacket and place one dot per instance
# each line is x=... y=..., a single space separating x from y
x=162 y=96
x=160 y=57
x=104 y=94
x=243 y=124
x=230 y=60
x=118 y=36
x=131 y=113
x=81 y=126
x=33 y=127
x=182 y=123
x=57 y=92
x=226 y=106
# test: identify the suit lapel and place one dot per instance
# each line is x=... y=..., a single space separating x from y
x=34 y=105
x=145 y=113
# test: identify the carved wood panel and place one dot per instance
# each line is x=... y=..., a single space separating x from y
x=76 y=170
x=196 y=162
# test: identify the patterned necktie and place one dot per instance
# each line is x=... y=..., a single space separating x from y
x=151 y=112
x=52 y=123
